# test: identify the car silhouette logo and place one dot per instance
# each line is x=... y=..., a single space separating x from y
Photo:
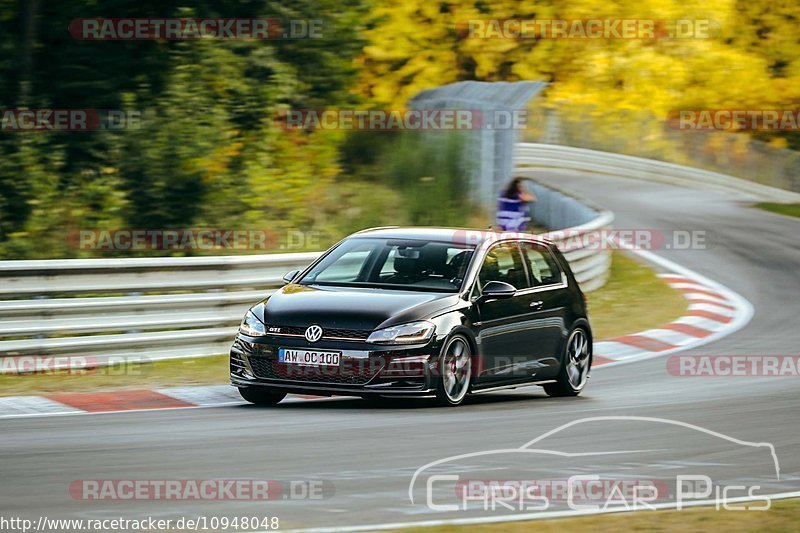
x=313 y=333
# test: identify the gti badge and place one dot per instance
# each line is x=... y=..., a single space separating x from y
x=313 y=333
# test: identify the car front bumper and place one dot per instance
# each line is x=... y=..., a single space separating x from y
x=364 y=369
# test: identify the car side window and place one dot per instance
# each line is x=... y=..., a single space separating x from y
x=543 y=266
x=503 y=262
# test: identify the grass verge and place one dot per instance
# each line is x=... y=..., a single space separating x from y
x=783 y=516
x=790 y=210
x=634 y=299
x=624 y=305
x=172 y=373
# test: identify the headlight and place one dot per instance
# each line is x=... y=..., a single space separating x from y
x=413 y=333
x=252 y=326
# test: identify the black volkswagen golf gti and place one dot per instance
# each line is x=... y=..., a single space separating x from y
x=419 y=312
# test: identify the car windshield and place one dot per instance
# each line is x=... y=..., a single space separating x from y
x=393 y=264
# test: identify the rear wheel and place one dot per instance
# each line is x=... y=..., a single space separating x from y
x=455 y=371
x=574 y=371
x=261 y=396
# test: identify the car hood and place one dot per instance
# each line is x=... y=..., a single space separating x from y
x=349 y=308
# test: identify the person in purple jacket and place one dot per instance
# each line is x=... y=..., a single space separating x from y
x=512 y=207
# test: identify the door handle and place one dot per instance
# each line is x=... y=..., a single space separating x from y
x=537 y=304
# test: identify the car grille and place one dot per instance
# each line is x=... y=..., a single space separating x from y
x=327 y=333
x=348 y=373
x=237 y=365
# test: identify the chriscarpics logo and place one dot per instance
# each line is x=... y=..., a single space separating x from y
x=601 y=464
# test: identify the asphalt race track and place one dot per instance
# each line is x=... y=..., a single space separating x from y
x=367 y=454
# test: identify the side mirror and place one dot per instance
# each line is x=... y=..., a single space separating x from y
x=497 y=290
x=289 y=276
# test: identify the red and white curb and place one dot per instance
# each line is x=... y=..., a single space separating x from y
x=709 y=312
x=714 y=311
x=76 y=403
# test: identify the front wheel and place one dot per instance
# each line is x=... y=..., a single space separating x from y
x=574 y=370
x=455 y=371
x=261 y=396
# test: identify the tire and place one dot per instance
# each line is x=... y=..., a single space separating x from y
x=577 y=363
x=261 y=396
x=455 y=371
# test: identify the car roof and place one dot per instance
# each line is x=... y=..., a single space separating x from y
x=459 y=235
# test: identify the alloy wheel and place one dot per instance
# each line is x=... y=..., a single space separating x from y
x=577 y=359
x=456 y=369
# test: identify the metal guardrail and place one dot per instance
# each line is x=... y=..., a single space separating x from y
x=567 y=158
x=97 y=309
x=554 y=209
x=65 y=276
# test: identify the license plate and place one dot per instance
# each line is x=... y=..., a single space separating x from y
x=308 y=357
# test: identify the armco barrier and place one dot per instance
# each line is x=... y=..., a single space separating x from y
x=163 y=308
x=146 y=309
x=96 y=307
x=567 y=158
x=554 y=209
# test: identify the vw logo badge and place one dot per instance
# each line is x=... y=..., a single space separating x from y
x=313 y=333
